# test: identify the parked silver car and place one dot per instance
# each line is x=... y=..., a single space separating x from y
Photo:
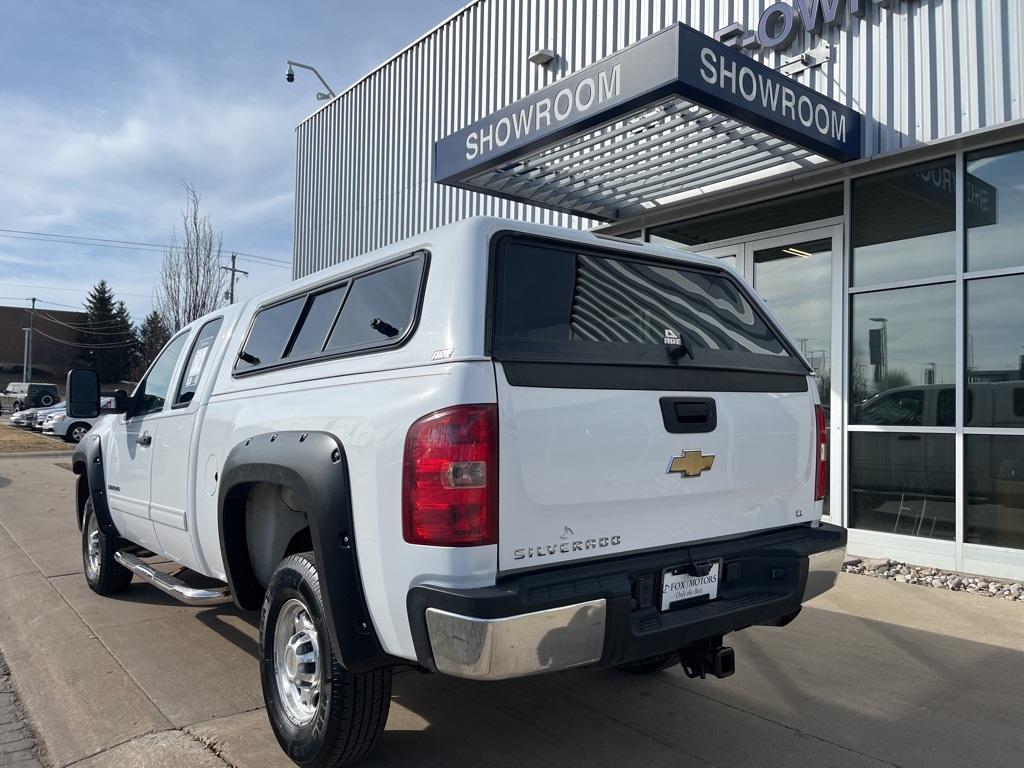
x=59 y=424
x=31 y=416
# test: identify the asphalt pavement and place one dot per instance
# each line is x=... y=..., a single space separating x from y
x=871 y=674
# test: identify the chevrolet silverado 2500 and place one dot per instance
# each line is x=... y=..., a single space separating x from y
x=491 y=451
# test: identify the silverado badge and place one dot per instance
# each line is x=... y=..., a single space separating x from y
x=690 y=464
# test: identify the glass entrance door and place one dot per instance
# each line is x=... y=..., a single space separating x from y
x=799 y=276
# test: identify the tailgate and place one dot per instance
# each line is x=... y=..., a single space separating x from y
x=591 y=473
x=643 y=402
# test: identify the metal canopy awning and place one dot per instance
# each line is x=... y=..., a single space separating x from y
x=670 y=117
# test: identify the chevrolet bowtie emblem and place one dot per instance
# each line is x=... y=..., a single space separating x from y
x=691 y=463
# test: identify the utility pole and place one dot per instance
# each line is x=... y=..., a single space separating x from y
x=26 y=368
x=231 y=285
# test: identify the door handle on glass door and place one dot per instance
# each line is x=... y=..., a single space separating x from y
x=145 y=439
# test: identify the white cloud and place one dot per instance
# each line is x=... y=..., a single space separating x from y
x=118 y=174
x=108 y=106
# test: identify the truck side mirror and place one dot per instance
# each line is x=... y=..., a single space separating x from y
x=83 y=393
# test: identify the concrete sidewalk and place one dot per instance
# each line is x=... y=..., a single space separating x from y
x=871 y=674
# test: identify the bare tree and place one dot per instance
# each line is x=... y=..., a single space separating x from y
x=191 y=280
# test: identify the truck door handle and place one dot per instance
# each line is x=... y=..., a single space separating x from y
x=145 y=439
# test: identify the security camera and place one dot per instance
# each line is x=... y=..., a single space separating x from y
x=290 y=75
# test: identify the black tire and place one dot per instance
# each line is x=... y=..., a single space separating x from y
x=69 y=434
x=47 y=400
x=17 y=406
x=651 y=664
x=349 y=710
x=103 y=574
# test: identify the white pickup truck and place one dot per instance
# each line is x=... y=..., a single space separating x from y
x=490 y=451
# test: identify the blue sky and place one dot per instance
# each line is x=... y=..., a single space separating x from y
x=107 y=106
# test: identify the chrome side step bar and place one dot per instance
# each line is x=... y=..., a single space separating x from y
x=172 y=586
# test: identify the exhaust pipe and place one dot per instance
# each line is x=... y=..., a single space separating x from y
x=708 y=657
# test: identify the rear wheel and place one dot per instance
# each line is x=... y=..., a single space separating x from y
x=103 y=574
x=322 y=715
x=47 y=400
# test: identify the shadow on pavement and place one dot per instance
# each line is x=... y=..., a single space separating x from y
x=829 y=690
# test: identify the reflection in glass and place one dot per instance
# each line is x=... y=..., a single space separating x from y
x=796 y=282
x=903 y=483
x=902 y=347
x=903 y=224
x=995 y=355
x=994 y=481
x=994 y=208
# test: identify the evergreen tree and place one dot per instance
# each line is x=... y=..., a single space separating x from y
x=109 y=334
x=153 y=335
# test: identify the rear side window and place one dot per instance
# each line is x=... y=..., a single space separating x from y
x=380 y=307
x=319 y=320
x=556 y=303
x=270 y=333
x=366 y=312
x=197 y=360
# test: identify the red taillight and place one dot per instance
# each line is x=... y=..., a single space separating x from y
x=450 y=478
x=821 y=454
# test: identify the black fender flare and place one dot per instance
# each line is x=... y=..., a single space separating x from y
x=314 y=466
x=87 y=463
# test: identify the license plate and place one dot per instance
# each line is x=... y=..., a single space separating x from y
x=678 y=585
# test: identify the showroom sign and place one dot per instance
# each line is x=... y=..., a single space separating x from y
x=680 y=62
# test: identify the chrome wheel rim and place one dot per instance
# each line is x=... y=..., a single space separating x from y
x=297 y=662
x=78 y=433
x=92 y=548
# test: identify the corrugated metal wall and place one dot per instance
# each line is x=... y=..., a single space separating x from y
x=920 y=71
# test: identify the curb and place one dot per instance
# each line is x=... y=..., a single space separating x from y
x=36 y=454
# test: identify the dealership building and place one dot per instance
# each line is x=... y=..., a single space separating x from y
x=861 y=162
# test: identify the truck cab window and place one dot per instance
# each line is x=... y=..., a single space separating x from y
x=152 y=392
x=196 y=363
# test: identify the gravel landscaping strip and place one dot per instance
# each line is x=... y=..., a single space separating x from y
x=18 y=748
x=883 y=568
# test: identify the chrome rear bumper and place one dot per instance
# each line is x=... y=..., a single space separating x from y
x=516 y=646
x=822 y=571
x=521 y=625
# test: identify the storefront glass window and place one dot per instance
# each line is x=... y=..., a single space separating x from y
x=902 y=365
x=903 y=483
x=994 y=480
x=795 y=280
x=904 y=224
x=994 y=208
x=995 y=351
